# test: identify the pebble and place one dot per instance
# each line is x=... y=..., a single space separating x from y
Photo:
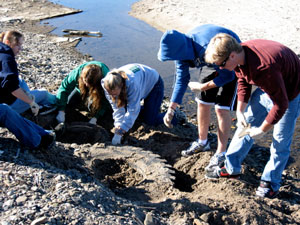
x=38 y=221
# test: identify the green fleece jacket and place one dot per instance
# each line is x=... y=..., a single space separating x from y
x=71 y=82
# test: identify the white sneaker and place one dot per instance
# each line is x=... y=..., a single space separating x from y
x=216 y=160
x=195 y=148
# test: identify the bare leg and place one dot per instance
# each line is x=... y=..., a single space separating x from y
x=203 y=119
x=224 y=125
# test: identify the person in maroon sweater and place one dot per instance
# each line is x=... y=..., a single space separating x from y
x=275 y=70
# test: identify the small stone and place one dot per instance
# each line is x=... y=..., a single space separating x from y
x=21 y=199
x=149 y=219
x=34 y=188
x=9 y=203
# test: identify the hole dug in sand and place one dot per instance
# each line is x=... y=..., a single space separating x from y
x=116 y=173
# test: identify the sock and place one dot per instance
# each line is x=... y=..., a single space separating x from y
x=202 y=142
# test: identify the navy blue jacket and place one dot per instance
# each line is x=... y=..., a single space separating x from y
x=188 y=50
x=9 y=75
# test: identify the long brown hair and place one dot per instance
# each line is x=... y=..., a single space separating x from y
x=92 y=74
x=117 y=79
x=12 y=36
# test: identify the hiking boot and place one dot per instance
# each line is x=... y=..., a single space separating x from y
x=47 y=141
x=216 y=160
x=218 y=172
x=195 y=148
x=265 y=190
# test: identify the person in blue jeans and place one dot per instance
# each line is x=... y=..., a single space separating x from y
x=14 y=90
x=125 y=88
x=275 y=104
x=28 y=133
x=217 y=89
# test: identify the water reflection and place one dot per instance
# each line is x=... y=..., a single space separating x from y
x=125 y=39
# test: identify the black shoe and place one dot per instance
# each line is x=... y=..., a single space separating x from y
x=47 y=141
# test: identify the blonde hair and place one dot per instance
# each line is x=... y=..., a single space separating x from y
x=117 y=79
x=92 y=74
x=12 y=36
x=220 y=47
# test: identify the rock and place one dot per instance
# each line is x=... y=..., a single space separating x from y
x=20 y=200
x=8 y=204
x=40 y=220
x=149 y=219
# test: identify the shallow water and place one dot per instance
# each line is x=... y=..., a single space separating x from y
x=125 y=39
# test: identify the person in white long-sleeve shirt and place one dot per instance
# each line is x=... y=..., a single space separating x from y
x=125 y=88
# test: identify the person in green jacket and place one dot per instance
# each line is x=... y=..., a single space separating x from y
x=83 y=85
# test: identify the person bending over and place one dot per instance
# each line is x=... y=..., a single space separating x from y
x=82 y=86
x=275 y=70
x=218 y=88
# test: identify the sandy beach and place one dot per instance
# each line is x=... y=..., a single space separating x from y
x=84 y=180
x=274 y=20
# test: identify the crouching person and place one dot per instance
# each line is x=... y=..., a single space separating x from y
x=125 y=88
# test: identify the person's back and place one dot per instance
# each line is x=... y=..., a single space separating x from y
x=179 y=46
x=202 y=35
x=273 y=60
x=141 y=79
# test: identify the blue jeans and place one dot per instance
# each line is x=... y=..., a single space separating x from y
x=28 y=133
x=42 y=97
x=152 y=103
x=259 y=106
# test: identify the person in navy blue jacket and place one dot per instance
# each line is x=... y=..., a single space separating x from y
x=13 y=90
x=218 y=88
